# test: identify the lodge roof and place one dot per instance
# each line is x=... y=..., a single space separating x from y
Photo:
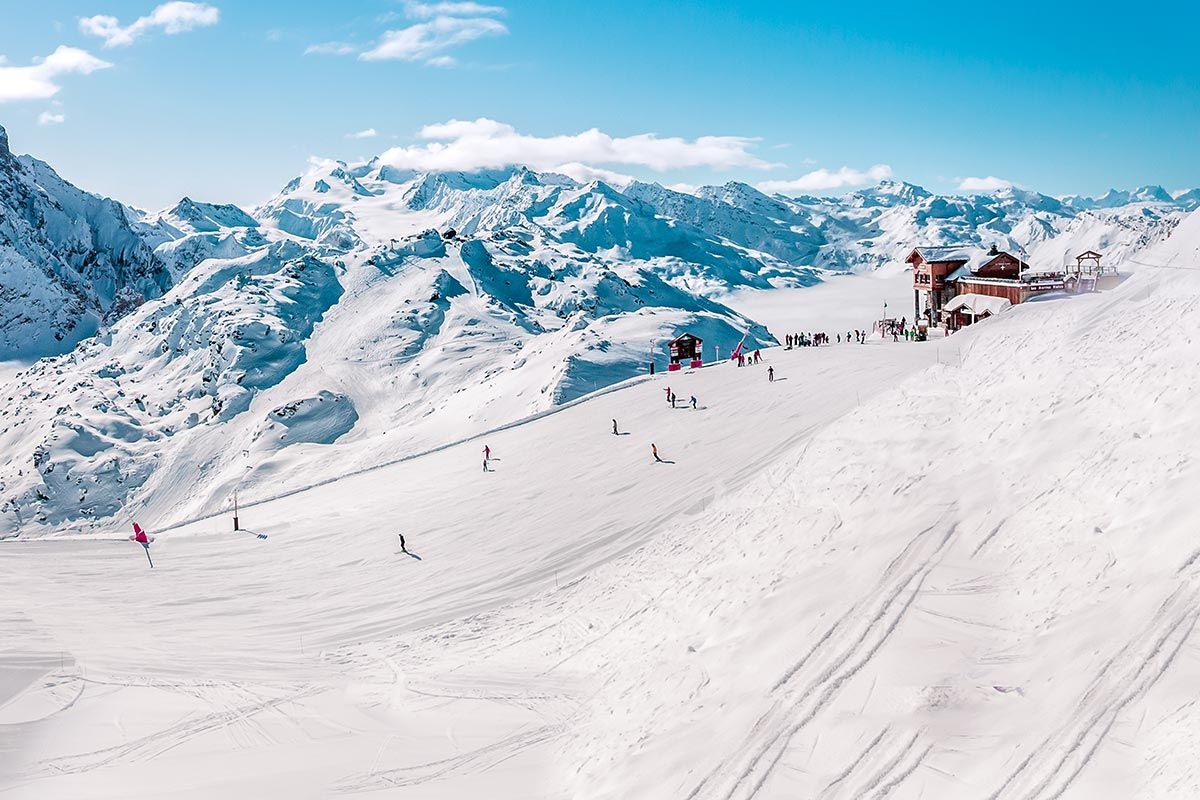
x=943 y=253
x=978 y=304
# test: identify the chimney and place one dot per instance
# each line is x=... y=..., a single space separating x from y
x=994 y=251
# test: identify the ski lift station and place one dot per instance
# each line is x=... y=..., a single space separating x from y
x=688 y=349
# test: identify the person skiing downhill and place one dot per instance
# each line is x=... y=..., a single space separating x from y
x=403 y=549
x=615 y=428
x=141 y=538
x=487 y=453
x=693 y=402
x=668 y=390
x=654 y=450
x=771 y=374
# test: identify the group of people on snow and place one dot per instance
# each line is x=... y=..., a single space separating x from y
x=753 y=358
x=672 y=398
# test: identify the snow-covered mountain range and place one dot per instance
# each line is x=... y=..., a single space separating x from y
x=366 y=313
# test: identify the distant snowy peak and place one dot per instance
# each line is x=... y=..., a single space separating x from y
x=70 y=261
x=1189 y=200
x=889 y=193
x=1115 y=198
x=208 y=217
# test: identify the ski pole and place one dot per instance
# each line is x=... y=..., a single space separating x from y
x=148 y=558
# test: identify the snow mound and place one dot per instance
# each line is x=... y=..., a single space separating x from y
x=315 y=420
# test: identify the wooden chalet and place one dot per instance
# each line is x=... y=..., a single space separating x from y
x=961 y=285
x=931 y=266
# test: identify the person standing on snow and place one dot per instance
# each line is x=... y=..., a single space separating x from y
x=654 y=450
x=403 y=549
x=771 y=374
x=615 y=428
x=487 y=453
x=668 y=394
x=693 y=402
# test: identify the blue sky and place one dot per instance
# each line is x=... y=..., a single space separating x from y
x=225 y=101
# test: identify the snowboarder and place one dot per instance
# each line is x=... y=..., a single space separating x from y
x=693 y=402
x=615 y=428
x=654 y=450
x=141 y=538
x=771 y=374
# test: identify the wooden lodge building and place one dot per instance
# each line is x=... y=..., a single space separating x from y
x=955 y=286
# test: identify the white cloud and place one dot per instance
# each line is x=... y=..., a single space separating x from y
x=586 y=174
x=50 y=118
x=820 y=180
x=173 y=18
x=330 y=49
x=39 y=81
x=431 y=10
x=428 y=40
x=369 y=133
x=989 y=184
x=442 y=61
x=485 y=143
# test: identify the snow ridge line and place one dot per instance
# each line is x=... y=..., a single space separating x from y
x=769 y=737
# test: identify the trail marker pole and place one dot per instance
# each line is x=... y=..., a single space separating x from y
x=235 y=511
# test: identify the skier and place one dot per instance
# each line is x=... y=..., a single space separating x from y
x=403 y=549
x=654 y=450
x=771 y=374
x=693 y=402
x=487 y=453
x=141 y=538
x=615 y=428
x=672 y=401
x=668 y=394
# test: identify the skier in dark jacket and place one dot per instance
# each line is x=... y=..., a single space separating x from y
x=615 y=428
x=771 y=374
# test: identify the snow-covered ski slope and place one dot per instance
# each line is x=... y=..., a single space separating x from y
x=960 y=569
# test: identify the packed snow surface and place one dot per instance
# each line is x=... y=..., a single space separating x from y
x=964 y=568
